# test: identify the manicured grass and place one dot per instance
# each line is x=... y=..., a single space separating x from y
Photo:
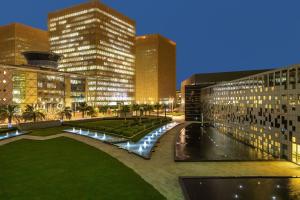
x=48 y=131
x=66 y=169
x=128 y=129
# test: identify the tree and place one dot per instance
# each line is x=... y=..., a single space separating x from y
x=165 y=106
x=31 y=113
x=9 y=112
x=83 y=108
x=135 y=108
x=125 y=109
x=141 y=110
x=103 y=109
x=149 y=108
x=91 y=111
x=66 y=112
x=157 y=106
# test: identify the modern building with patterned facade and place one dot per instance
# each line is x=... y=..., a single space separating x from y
x=16 y=38
x=261 y=110
x=40 y=85
x=155 y=69
x=99 y=42
x=191 y=103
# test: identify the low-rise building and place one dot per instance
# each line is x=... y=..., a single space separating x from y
x=39 y=83
x=261 y=110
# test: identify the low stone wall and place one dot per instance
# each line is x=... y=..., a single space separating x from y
x=38 y=125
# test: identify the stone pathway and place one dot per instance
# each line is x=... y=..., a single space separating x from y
x=162 y=172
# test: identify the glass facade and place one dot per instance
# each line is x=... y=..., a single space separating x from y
x=43 y=88
x=98 y=42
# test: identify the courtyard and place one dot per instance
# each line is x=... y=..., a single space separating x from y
x=161 y=171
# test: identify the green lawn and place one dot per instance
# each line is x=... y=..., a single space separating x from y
x=66 y=169
x=128 y=129
x=48 y=131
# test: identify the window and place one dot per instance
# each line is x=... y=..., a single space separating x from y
x=277 y=78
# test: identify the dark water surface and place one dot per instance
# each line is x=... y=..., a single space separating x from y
x=195 y=143
x=246 y=188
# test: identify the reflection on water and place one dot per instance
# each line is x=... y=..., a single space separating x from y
x=195 y=143
x=247 y=188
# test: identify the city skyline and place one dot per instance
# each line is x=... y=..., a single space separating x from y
x=239 y=35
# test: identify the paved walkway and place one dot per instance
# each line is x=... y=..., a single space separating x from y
x=162 y=172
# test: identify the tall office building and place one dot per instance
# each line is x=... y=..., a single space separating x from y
x=16 y=38
x=99 y=42
x=155 y=69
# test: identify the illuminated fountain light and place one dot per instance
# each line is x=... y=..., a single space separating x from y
x=74 y=130
x=160 y=130
x=149 y=139
x=104 y=137
x=80 y=131
x=7 y=135
x=236 y=196
x=140 y=149
x=128 y=145
x=274 y=197
x=96 y=135
x=152 y=136
x=88 y=131
x=145 y=145
x=156 y=133
x=17 y=132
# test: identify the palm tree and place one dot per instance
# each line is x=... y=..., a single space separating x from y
x=91 y=111
x=165 y=106
x=9 y=112
x=125 y=109
x=149 y=108
x=157 y=106
x=103 y=109
x=66 y=112
x=31 y=113
x=83 y=108
x=135 y=108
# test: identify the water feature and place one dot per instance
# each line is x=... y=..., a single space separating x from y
x=145 y=145
x=96 y=135
x=10 y=134
x=195 y=143
x=247 y=188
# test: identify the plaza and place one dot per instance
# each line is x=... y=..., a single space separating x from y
x=89 y=110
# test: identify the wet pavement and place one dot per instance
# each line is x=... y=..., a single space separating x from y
x=195 y=143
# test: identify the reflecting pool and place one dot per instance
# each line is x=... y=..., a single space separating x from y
x=246 y=188
x=195 y=143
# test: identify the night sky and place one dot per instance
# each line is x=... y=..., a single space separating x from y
x=211 y=35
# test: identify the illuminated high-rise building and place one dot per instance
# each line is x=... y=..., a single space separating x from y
x=155 y=69
x=16 y=38
x=99 y=42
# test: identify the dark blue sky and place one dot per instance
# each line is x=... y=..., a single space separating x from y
x=211 y=35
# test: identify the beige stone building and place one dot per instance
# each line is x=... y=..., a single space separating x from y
x=16 y=38
x=155 y=69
